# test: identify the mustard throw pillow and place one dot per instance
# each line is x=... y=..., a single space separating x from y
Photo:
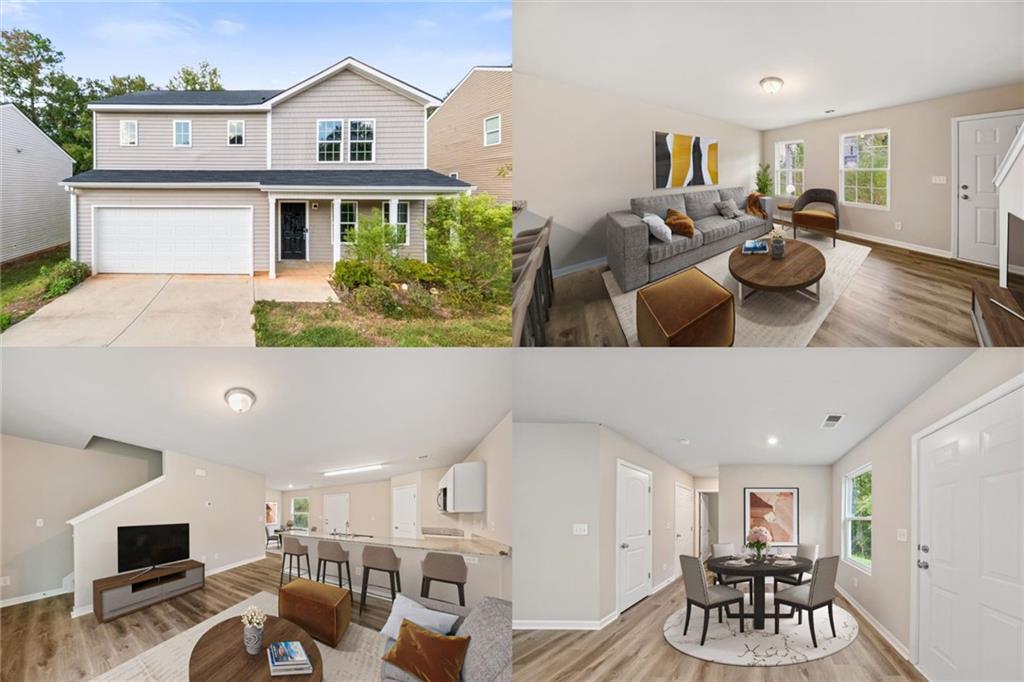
x=426 y=654
x=679 y=223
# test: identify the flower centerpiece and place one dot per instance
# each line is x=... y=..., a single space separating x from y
x=757 y=540
x=253 y=618
x=778 y=239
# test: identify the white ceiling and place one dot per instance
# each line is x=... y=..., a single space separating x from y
x=727 y=402
x=708 y=58
x=315 y=410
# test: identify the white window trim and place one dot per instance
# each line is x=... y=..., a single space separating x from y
x=373 y=142
x=174 y=132
x=408 y=219
x=229 y=122
x=316 y=138
x=308 y=514
x=777 y=169
x=887 y=169
x=491 y=118
x=847 y=518
x=454 y=175
x=120 y=132
x=354 y=225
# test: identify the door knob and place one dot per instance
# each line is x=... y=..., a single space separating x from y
x=922 y=565
x=963 y=196
x=679 y=535
x=624 y=545
x=963 y=186
x=924 y=548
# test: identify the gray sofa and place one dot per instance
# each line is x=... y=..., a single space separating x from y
x=636 y=258
x=489 y=628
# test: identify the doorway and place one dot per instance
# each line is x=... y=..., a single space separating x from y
x=707 y=525
x=634 y=549
x=336 y=519
x=684 y=522
x=293 y=230
x=403 y=511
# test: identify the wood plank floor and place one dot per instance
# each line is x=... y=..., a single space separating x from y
x=897 y=298
x=40 y=641
x=633 y=648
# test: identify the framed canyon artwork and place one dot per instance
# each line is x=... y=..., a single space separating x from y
x=777 y=509
x=684 y=160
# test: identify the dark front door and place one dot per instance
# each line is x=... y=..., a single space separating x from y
x=293 y=230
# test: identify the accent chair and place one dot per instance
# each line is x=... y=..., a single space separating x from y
x=818 y=219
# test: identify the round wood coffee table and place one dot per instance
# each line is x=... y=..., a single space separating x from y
x=802 y=267
x=220 y=654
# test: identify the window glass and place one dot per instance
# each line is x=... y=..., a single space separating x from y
x=864 y=166
x=236 y=133
x=360 y=141
x=329 y=139
x=492 y=131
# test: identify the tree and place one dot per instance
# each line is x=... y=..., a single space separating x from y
x=122 y=85
x=27 y=63
x=204 y=77
x=470 y=237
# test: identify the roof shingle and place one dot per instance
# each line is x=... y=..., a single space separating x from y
x=318 y=178
x=192 y=97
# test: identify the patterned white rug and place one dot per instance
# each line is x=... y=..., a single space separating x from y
x=357 y=656
x=767 y=319
x=726 y=645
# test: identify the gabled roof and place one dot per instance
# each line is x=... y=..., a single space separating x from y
x=470 y=73
x=192 y=97
x=32 y=123
x=419 y=179
x=353 y=64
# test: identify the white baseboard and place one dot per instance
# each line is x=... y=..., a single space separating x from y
x=243 y=562
x=931 y=251
x=896 y=644
x=35 y=596
x=565 y=624
x=80 y=611
x=659 y=587
x=577 y=267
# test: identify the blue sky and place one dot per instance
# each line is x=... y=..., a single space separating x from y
x=271 y=44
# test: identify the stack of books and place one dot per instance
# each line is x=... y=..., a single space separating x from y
x=755 y=246
x=288 y=658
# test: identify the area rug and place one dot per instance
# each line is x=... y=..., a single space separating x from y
x=767 y=318
x=357 y=656
x=726 y=645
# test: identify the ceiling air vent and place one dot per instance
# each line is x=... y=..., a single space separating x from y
x=832 y=421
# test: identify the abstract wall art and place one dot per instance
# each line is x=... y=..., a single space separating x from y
x=777 y=509
x=684 y=160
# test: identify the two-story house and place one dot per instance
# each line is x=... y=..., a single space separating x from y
x=220 y=182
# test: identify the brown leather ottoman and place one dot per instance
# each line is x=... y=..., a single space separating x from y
x=686 y=309
x=324 y=611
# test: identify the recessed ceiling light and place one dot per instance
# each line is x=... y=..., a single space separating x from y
x=773 y=440
x=771 y=84
x=684 y=441
x=239 y=399
x=354 y=470
x=290 y=486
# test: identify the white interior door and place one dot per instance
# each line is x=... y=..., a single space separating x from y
x=684 y=522
x=633 y=510
x=403 y=512
x=705 y=528
x=982 y=143
x=336 y=513
x=971 y=552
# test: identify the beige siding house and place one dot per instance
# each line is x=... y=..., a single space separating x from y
x=33 y=205
x=470 y=136
x=235 y=182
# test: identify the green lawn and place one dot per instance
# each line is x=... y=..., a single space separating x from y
x=341 y=324
x=21 y=287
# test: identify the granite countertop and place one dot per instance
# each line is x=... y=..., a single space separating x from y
x=473 y=546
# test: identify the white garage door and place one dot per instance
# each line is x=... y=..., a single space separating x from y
x=191 y=240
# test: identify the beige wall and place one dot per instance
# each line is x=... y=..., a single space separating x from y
x=369 y=506
x=53 y=483
x=581 y=153
x=495 y=451
x=886 y=592
x=815 y=483
x=921 y=147
x=224 y=510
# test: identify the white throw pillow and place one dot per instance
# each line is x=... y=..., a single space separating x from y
x=403 y=608
x=657 y=227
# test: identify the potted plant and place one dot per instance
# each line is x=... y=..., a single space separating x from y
x=757 y=539
x=763 y=179
x=253 y=618
x=778 y=238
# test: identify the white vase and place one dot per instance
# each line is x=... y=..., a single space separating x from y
x=253 y=638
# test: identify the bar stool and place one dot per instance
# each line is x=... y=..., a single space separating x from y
x=445 y=568
x=332 y=553
x=380 y=559
x=292 y=548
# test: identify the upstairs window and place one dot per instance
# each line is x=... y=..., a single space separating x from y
x=454 y=175
x=864 y=167
x=361 y=140
x=300 y=512
x=857 y=510
x=329 y=137
x=129 y=133
x=492 y=131
x=401 y=223
x=347 y=221
x=789 y=168
x=183 y=133
x=236 y=133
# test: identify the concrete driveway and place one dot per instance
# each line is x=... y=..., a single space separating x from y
x=144 y=310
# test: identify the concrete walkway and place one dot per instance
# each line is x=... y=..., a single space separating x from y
x=298 y=282
x=144 y=310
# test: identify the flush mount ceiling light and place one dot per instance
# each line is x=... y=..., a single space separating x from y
x=684 y=441
x=239 y=399
x=771 y=84
x=354 y=470
x=773 y=440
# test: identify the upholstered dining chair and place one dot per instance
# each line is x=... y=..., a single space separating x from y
x=820 y=592
x=698 y=592
x=817 y=219
x=272 y=537
x=807 y=552
x=720 y=549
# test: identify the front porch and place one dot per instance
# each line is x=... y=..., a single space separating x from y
x=296 y=281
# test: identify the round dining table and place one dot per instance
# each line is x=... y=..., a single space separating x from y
x=759 y=571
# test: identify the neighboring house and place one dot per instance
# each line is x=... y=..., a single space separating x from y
x=470 y=135
x=33 y=206
x=238 y=181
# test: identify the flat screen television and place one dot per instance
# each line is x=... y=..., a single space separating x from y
x=147 y=546
x=1015 y=257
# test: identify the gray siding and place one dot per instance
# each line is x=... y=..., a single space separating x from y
x=320 y=249
x=34 y=209
x=415 y=249
x=400 y=126
x=156 y=151
x=176 y=197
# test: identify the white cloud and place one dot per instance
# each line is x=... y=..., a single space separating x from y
x=129 y=31
x=497 y=14
x=227 y=27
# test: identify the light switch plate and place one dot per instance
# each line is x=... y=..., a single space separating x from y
x=39 y=523
x=580 y=529
x=471 y=560
x=938 y=179
x=901 y=534
x=855 y=581
x=200 y=472
x=899 y=224
x=5 y=581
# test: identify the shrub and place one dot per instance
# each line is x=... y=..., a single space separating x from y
x=62 y=276
x=380 y=299
x=350 y=274
x=409 y=270
x=373 y=242
x=470 y=238
x=5 y=321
